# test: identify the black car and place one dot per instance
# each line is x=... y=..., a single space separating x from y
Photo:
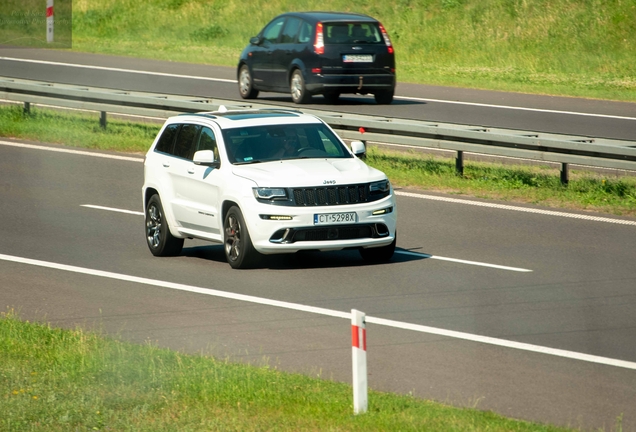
x=326 y=53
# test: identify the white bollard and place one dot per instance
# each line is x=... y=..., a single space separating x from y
x=359 y=360
x=49 y=21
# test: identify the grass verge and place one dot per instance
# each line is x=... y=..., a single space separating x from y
x=539 y=185
x=60 y=380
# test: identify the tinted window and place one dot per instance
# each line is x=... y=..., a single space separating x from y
x=184 y=146
x=279 y=142
x=207 y=141
x=306 y=30
x=166 y=142
x=348 y=33
x=272 y=31
x=290 y=31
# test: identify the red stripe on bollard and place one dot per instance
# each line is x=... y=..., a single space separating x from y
x=359 y=340
x=49 y=11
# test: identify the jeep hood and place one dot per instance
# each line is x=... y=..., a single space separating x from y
x=308 y=172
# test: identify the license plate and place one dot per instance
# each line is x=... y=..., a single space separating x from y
x=357 y=58
x=334 y=218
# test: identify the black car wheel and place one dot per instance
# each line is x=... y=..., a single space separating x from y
x=299 y=92
x=379 y=254
x=239 y=251
x=158 y=237
x=384 y=97
x=246 y=86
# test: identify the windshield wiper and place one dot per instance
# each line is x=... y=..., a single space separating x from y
x=253 y=161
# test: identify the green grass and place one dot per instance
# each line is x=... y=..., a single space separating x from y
x=538 y=185
x=60 y=380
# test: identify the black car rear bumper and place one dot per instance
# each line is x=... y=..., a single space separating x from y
x=350 y=83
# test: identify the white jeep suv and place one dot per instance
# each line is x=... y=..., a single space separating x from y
x=264 y=182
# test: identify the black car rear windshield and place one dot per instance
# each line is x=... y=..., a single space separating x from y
x=352 y=33
x=281 y=142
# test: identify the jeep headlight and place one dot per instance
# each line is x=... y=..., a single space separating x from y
x=381 y=187
x=269 y=194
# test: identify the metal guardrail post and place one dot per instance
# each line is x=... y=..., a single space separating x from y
x=565 y=174
x=102 y=119
x=459 y=163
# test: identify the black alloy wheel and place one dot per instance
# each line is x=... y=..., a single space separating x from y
x=158 y=237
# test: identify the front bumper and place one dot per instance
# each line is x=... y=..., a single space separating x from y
x=271 y=236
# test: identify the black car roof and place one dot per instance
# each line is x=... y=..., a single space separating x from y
x=320 y=16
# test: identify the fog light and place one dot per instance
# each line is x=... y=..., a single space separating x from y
x=276 y=217
x=382 y=211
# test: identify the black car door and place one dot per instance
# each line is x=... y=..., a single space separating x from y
x=262 y=54
x=284 y=52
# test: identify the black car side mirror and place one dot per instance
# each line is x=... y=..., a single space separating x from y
x=255 y=40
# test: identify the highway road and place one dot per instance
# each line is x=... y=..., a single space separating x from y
x=72 y=252
x=571 y=116
x=525 y=311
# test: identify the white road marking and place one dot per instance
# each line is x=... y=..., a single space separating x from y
x=112 y=69
x=328 y=312
x=475 y=263
x=71 y=151
x=421 y=255
x=519 y=209
x=113 y=209
x=515 y=108
x=232 y=81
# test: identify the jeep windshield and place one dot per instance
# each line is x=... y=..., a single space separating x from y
x=255 y=144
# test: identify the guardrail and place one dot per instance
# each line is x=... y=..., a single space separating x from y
x=563 y=149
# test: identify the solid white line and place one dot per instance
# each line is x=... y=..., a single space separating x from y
x=515 y=108
x=396 y=97
x=476 y=263
x=327 y=312
x=113 y=209
x=519 y=209
x=421 y=255
x=70 y=151
x=118 y=69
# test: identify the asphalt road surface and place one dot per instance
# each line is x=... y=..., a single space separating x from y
x=526 y=312
x=72 y=252
x=572 y=116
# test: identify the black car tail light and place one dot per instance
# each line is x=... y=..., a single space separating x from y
x=387 y=40
x=319 y=42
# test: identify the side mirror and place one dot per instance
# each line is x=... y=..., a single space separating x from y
x=358 y=149
x=255 y=40
x=206 y=158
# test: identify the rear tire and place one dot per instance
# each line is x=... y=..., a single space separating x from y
x=246 y=84
x=158 y=237
x=379 y=254
x=239 y=251
x=384 y=97
x=299 y=92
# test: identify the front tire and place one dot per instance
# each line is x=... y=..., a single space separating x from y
x=379 y=254
x=158 y=237
x=239 y=251
x=299 y=92
x=246 y=84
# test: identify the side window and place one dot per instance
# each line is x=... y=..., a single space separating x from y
x=207 y=141
x=166 y=141
x=271 y=32
x=306 y=30
x=290 y=31
x=184 y=146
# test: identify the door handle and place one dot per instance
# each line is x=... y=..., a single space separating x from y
x=166 y=165
x=190 y=170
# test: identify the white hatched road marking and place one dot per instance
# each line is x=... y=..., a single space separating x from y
x=328 y=312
